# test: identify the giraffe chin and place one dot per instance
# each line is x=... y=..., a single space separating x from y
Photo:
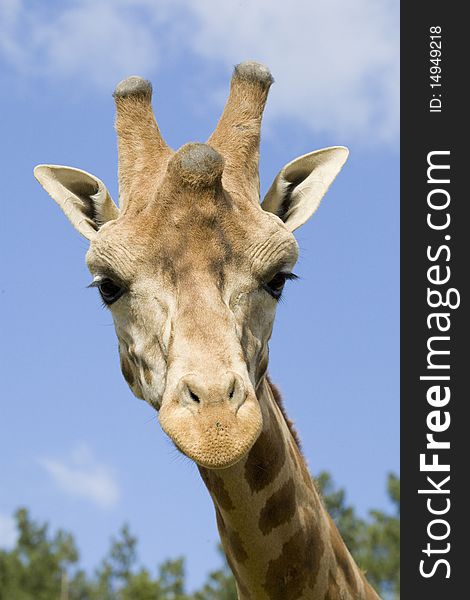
x=215 y=436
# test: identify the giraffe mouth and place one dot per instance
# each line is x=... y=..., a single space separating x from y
x=216 y=436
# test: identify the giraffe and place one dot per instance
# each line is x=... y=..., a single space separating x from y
x=191 y=266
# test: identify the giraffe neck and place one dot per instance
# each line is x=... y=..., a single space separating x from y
x=279 y=540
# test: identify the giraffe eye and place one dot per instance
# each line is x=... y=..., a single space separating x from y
x=110 y=291
x=275 y=286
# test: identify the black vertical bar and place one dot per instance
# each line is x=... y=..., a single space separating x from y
x=434 y=121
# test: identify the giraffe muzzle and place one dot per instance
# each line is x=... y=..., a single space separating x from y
x=213 y=422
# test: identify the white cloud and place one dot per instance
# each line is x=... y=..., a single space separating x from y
x=98 y=41
x=335 y=62
x=8 y=533
x=82 y=475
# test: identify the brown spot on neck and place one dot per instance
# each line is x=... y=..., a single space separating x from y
x=267 y=457
x=237 y=548
x=296 y=568
x=216 y=487
x=228 y=553
x=279 y=508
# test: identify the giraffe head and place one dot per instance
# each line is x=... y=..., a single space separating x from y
x=191 y=265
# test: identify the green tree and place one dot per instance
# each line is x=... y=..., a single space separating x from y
x=381 y=555
x=119 y=577
x=38 y=567
x=171 y=580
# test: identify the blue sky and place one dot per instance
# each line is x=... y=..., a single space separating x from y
x=75 y=446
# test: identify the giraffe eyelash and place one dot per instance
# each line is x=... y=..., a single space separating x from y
x=109 y=290
x=275 y=286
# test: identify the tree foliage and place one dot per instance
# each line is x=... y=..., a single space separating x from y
x=44 y=566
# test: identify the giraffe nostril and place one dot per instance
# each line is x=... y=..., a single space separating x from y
x=193 y=396
x=193 y=390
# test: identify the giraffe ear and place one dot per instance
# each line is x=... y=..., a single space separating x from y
x=83 y=197
x=299 y=186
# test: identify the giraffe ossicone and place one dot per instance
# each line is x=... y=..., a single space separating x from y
x=196 y=165
x=191 y=266
x=133 y=86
